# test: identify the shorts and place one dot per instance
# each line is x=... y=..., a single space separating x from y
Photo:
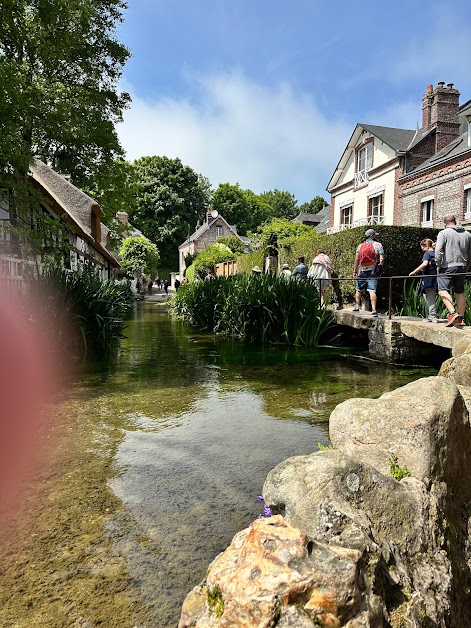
x=448 y=279
x=366 y=279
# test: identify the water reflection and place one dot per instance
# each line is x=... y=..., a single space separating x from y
x=203 y=421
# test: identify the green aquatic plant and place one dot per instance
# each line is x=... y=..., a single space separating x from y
x=262 y=309
x=397 y=472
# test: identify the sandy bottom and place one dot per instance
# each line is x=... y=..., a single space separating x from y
x=58 y=567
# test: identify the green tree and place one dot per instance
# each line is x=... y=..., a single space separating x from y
x=233 y=242
x=138 y=255
x=60 y=65
x=282 y=204
x=313 y=206
x=241 y=208
x=170 y=198
x=279 y=233
x=212 y=255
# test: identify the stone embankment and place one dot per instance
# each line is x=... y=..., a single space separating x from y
x=350 y=545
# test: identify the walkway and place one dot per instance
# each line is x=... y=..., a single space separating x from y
x=402 y=338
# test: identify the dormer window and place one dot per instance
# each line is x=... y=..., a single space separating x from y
x=364 y=164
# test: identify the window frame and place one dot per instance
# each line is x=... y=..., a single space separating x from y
x=427 y=207
x=378 y=220
x=343 y=215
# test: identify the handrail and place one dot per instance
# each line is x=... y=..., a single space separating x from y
x=390 y=279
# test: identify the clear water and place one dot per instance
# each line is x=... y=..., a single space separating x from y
x=203 y=419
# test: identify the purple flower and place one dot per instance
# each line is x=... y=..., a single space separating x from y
x=260 y=498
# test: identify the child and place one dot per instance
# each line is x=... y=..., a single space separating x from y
x=428 y=268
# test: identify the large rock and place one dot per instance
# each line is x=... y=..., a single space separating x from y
x=349 y=545
x=424 y=424
x=273 y=574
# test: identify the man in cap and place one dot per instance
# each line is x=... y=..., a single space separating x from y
x=369 y=260
x=285 y=273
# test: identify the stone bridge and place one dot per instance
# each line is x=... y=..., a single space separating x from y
x=403 y=339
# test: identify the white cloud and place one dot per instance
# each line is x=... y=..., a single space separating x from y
x=241 y=132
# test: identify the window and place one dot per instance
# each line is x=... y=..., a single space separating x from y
x=426 y=210
x=218 y=231
x=4 y=215
x=467 y=203
x=375 y=210
x=346 y=215
x=469 y=132
x=364 y=164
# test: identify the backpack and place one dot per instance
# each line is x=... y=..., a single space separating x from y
x=367 y=254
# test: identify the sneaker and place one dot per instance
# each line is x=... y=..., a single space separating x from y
x=451 y=318
x=374 y=313
x=356 y=308
x=459 y=322
x=431 y=319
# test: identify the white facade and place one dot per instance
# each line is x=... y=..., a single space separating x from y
x=363 y=185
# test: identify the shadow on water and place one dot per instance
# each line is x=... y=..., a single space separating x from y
x=204 y=419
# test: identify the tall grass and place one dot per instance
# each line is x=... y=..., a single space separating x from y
x=263 y=309
x=79 y=311
x=414 y=304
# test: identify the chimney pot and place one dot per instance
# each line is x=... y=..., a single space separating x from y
x=440 y=85
x=429 y=89
x=450 y=85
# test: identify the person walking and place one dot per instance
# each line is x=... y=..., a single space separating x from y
x=300 y=271
x=428 y=268
x=453 y=257
x=368 y=264
x=285 y=273
x=321 y=272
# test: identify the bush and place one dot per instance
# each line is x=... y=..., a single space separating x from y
x=207 y=260
x=139 y=255
x=263 y=309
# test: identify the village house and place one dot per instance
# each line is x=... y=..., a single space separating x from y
x=404 y=176
x=88 y=236
x=206 y=234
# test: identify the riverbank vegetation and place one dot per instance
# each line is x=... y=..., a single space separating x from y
x=80 y=312
x=264 y=309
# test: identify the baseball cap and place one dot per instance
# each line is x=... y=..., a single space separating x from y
x=371 y=232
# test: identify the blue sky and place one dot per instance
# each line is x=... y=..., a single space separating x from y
x=267 y=94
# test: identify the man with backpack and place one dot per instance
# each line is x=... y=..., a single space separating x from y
x=369 y=260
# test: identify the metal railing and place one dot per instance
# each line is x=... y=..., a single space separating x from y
x=395 y=277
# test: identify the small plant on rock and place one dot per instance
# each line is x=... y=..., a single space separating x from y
x=396 y=470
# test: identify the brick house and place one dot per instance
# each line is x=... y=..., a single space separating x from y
x=441 y=183
x=88 y=237
x=204 y=235
x=390 y=176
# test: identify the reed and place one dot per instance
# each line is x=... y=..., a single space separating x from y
x=413 y=302
x=263 y=309
x=80 y=311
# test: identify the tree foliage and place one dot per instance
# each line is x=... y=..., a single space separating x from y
x=212 y=255
x=280 y=233
x=313 y=206
x=233 y=242
x=241 y=208
x=170 y=198
x=138 y=255
x=60 y=64
x=282 y=204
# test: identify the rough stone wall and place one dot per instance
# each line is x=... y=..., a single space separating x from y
x=445 y=182
x=209 y=236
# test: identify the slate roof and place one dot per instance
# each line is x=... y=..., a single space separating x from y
x=205 y=226
x=306 y=218
x=398 y=139
x=454 y=149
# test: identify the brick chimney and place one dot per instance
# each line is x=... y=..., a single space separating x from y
x=440 y=110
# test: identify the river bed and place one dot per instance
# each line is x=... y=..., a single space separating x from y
x=153 y=460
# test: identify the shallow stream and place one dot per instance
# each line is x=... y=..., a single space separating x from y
x=185 y=427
